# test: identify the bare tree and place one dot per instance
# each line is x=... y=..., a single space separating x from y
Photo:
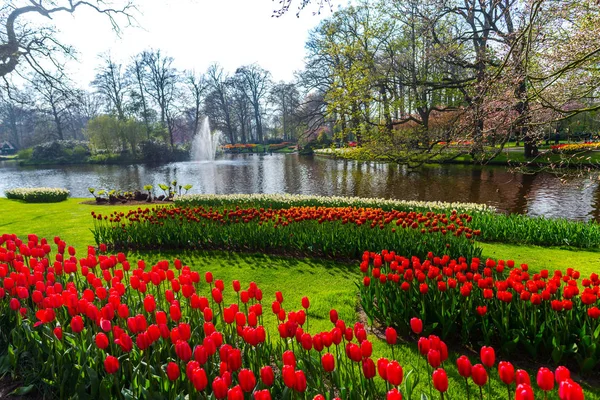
x=219 y=103
x=111 y=84
x=136 y=74
x=37 y=47
x=284 y=6
x=196 y=88
x=57 y=101
x=256 y=83
x=161 y=86
x=286 y=100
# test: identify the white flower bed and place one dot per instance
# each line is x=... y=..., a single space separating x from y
x=38 y=195
x=291 y=200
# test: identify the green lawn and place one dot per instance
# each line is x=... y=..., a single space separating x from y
x=328 y=284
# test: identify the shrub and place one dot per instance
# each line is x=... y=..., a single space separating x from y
x=38 y=195
x=61 y=151
x=25 y=154
x=154 y=151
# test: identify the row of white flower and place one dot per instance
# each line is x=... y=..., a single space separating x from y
x=41 y=194
x=289 y=200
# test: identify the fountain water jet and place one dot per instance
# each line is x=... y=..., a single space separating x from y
x=205 y=143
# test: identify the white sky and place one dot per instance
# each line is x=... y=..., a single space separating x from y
x=195 y=33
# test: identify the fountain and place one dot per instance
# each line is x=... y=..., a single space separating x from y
x=205 y=144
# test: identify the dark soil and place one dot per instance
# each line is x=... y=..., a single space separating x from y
x=7 y=386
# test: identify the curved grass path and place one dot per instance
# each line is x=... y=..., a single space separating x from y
x=328 y=284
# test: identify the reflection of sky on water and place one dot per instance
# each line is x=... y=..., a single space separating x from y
x=539 y=194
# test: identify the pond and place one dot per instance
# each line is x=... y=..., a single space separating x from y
x=575 y=198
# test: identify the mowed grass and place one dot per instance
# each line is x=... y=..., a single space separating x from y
x=328 y=284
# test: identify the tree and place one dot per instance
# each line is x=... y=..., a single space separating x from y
x=286 y=100
x=241 y=107
x=102 y=133
x=196 y=86
x=55 y=99
x=255 y=82
x=111 y=84
x=161 y=86
x=21 y=43
x=286 y=4
x=139 y=106
x=218 y=104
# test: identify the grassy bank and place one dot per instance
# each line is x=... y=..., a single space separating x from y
x=509 y=157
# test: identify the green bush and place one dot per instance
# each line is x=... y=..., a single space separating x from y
x=25 y=154
x=38 y=195
x=60 y=152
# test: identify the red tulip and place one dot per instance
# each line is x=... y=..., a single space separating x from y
x=173 y=371
x=77 y=324
x=289 y=376
x=219 y=387
x=101 y=341
x=333 y=316
x=234 y=360
x=488 y=356
x=199 y=379
x=394 y=373
x=353 y=352
x=391 y=336
x=300 y=383
x=524 y=392
x=506 y=371
x=479 y=374
x=305 y=303
x=328 y=362
x=521 y=376
x=416 y=325
x=433 y=358
x=247 y=380
x=394 y=394
x=369 y=369
x=440 y=380
x=289 y=358
x=183 y=350
x=366 y=348
x=149 y=303
x=58 y=332
x=545 y=379
x=569 y=390
x=382 y=368
x=235 y=393
x=561 y=373
x=464 y=366
x=267 y=376
x=111 y=364
x=262 y=395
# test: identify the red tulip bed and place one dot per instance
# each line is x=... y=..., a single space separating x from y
x=546 y=315
x=100 y=326
x=320 y=231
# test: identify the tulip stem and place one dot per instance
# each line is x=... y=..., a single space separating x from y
x=467 y=385
x=480 y=393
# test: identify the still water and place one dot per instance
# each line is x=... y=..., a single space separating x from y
x=535 y=194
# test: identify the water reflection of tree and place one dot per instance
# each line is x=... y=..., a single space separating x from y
x=521 y=202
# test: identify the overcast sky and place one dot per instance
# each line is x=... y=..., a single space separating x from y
x=195 y=33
